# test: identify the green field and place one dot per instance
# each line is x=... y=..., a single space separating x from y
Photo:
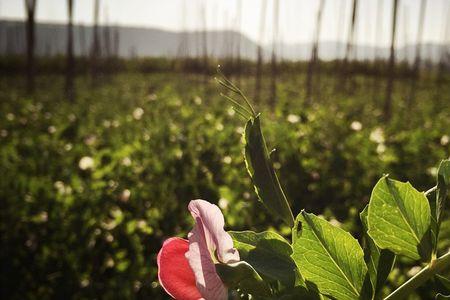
x=89 y=190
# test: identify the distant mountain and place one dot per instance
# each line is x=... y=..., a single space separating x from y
x=151 y=42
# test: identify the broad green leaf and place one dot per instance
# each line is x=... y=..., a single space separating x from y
x=269 y=253
x=399 y=219
x=379 y=261
x=265 y=180
x=241 y=275
x=437 y=208
x=328 y=257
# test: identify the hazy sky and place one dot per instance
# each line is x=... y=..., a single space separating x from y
x=297 y=17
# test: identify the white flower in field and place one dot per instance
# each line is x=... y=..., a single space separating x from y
x=146 y=137
x=219 y=126
x=115 y=123
x=106 y=123
x=10 y=117
x=208 y=117
x=109 y=262
x=178 y=153
x=86 y=163
x=356 y=126
x=291 y=118
x=109 y=237
x=59 y=186
x=68 y=147
x=43 y=217
x=381 y=148
x=377 y=135
x=126 y=161
x=198 y=100
x=432 y=171
x=84 y=283
x=141 y=224
x=444 y=140
x=138 y=113
x=3 y=133
x=223 y=203
x=51 y=129
x=227 y=159
x=240 y=130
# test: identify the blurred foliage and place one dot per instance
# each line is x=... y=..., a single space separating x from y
x=89 y=190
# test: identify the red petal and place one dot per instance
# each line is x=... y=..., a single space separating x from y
x=174 y=273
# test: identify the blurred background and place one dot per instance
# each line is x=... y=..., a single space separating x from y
x=110 y=122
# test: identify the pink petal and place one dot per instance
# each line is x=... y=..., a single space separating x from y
x=208 y=282
x=174 y=273
x=212 y=221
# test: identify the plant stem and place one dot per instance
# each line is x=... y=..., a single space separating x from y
x=434 y=267
x=430 y=190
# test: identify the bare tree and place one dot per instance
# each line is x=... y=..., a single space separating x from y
x=70 y=67
x=259 y=54
x=417 y=60
x=95 y=51
x=350 y=40
x=387 y=109
x=314 y=53
x=30 y=6
x=205 y=43
x=273 y=85
x=238 y=44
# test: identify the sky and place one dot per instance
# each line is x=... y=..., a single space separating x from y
x=297 y=18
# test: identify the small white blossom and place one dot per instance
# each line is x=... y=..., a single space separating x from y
x=227 y=159
x=377 y=135
x=138 y=113
x=86 y=163
x=125 y=195
x=291 y=118
x=223 y=203
x=356 y=126
x=198 y=100
x=381 y=148
x=126 y=161
x=444 y=140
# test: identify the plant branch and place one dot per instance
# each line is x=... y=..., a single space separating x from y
x=434 y=267
x=430 y=190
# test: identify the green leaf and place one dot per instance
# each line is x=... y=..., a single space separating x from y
x=328 y=257
x=241 y=275
x=265 y=180
x=379 y=261
x=437 y=208
x=269 y=253
x=399 y=219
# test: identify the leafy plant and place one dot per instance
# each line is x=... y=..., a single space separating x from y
x=324 y=260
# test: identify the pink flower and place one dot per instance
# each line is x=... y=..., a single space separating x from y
x=186 y=268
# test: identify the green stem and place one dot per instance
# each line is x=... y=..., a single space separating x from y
x=434 y=188
x=434 y=267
